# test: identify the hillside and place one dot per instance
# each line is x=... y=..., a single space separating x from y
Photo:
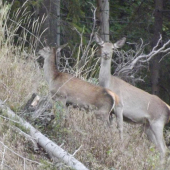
x=77 y=131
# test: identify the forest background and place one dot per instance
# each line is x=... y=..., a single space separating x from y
x=132 y=19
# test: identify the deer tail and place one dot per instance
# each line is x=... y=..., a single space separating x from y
x=168 y=112
x=115 y=102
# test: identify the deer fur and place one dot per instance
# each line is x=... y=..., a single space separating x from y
x=138 y=105
x=69 y=89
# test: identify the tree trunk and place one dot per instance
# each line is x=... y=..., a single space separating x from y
x=54 y=151
x=51 y=8
x=58 y=22
x=103 y=18
x=155 y=66
x=58 y=31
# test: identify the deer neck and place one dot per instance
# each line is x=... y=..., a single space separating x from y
x=105 y=73
x=50 y=69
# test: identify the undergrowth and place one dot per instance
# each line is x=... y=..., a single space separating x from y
x=99 y=146
x=16 y=152
x=19 y=72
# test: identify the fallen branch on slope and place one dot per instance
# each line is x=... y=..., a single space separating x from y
x=54 y=151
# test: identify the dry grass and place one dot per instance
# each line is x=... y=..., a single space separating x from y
x=19 y=73
x=19 y=78
x=15 y=150
x=100 y=147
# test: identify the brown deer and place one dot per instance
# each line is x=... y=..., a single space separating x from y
x=69 y=89
x=138 y=105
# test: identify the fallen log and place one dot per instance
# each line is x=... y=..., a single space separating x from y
x=55 y=152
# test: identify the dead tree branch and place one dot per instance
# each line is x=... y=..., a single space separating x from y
x=86 y=49
x=54 y=151
x=128 y=64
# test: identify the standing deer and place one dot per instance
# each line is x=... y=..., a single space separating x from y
x=69 y=89
x=138 y=105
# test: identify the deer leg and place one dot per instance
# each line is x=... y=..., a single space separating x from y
x=104 y=115
x=111 y=118
x=157 y=128
x=119 y=118
x=100 y=115
x=148 y=131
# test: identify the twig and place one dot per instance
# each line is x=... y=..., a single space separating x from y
x=61 y=144
x=77 y=150
x=28 y=137
x=9 y=119
x=6 y=147
x=3 y=157
x=24 y=164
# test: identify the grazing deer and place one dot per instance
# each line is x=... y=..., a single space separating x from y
x=138 y=105
x=69 y=89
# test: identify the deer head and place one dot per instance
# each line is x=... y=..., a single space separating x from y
x=107 y=48
x=46 y=51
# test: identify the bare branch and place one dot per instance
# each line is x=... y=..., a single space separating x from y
x=3 y=157
x=6 y=147
x=128 y=64
x=77 y=150
x=85 y=52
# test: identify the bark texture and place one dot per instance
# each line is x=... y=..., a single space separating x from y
x=155 y=65
x=103 y=18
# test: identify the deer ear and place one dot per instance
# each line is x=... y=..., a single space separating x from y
x=98 y=39
x=120 y=43
x=61 y=47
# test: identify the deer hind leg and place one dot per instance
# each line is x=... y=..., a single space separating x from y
x=157 y=128
x=119 y=118
x=101 y=115
x=104 y=114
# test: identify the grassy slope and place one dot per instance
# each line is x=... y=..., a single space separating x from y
x=99 y=146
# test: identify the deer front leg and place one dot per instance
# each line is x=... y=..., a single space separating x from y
x=148 y=131
x=103 y=115
x=157 y=128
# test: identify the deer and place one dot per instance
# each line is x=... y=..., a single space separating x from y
x=68 y=89
x=138 y=106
